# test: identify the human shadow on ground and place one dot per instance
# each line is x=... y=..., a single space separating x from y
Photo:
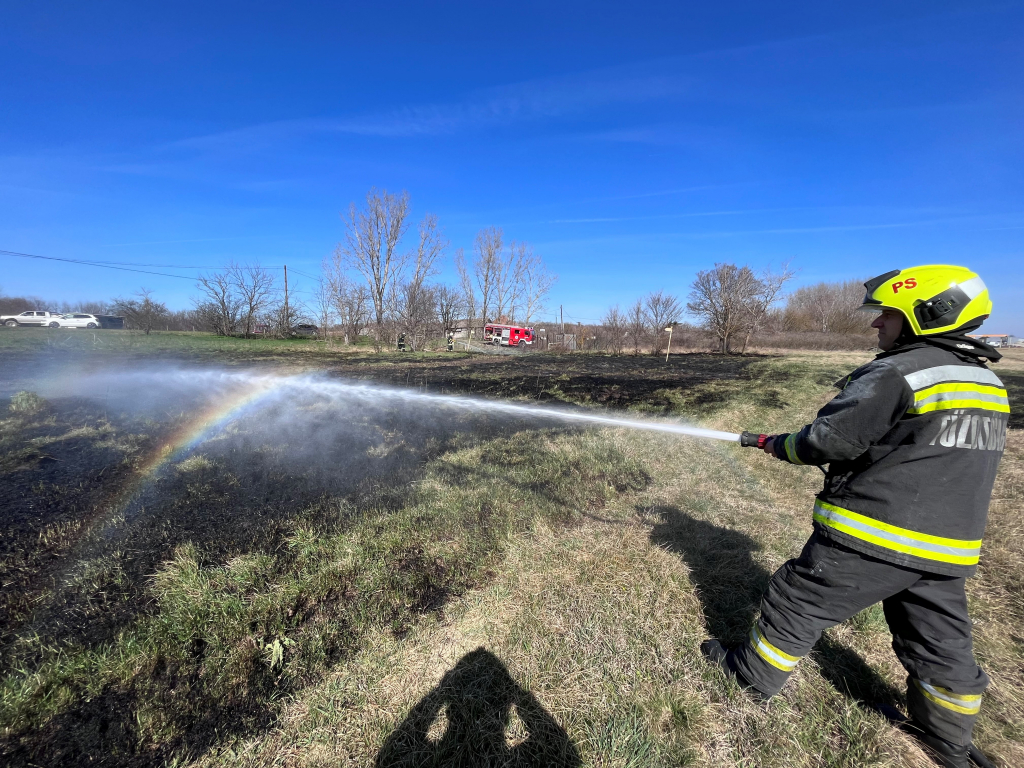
x=467 y=720
x=729 y=582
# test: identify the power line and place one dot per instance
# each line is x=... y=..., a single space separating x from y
x=93 y=264
x=127 y=266
x=170 y=266
x=581 y=319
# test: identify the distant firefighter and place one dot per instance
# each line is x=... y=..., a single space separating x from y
x=401 y=342
x=451 y=342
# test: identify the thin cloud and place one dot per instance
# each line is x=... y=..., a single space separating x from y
x=693 y=214
x=163 y=242
x=837 y=227
x=525 y=101
x=635 y=238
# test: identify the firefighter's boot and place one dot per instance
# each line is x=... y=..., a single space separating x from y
x=943 y=752
x=718 y=654
x=943 y=721
x=940 y=750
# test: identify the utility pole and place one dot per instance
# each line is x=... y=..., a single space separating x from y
x=561 y=317
x=287 y=316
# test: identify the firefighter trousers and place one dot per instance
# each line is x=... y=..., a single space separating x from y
x=926 y=613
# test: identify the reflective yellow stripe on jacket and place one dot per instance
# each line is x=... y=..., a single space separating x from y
x=957 y=386
x=790 y=446
x=956 y=551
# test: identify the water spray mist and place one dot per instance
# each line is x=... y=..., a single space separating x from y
x=235 y=392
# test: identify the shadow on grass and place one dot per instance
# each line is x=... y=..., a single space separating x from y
x=729 y=583
x=467 y=720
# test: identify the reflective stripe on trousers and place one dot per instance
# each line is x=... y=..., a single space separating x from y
x=965 y=704
x=774 y=656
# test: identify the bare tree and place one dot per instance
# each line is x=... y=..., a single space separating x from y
x=660 y=309
x=219 y=302
x=827 y=308
x=323 y=306
x=281 y=318
x=412 y=303
x=371 y=244
x=68 y=307
x=414 y=311
x=352 y=304
x=489 y=245
x=614 y=324
x=636 y=326
x=731 y=300
x=431 y=247
x=255 y=289
x=534 y=280
x=450 y=304
x=351 y=301
x=768 y=287
x=719 y=297
x=142 y=312
x=507 y=281
x=466 y=286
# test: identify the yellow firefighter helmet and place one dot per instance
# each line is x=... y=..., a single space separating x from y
x=934 y=298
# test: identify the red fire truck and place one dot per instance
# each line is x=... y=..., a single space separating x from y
x=508 y=335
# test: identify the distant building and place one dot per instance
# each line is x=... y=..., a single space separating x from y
x=997 y=339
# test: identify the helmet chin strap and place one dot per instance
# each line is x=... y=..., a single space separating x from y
x=956 y=341
x=907 y=336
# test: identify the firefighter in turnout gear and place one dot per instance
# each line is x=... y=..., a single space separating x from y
x=912 y=443
x=451 y=342
x=401 y=342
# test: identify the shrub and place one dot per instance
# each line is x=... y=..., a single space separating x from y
x=26 y=403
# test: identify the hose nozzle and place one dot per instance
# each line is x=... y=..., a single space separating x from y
x=753 y=440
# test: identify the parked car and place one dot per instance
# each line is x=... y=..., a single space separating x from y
x=78 y=320
x=32 y=317
x=306 y=329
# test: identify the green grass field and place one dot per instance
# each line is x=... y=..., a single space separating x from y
x=472 y=595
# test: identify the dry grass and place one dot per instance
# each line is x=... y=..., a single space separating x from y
x=566 y=619
x=601 y=623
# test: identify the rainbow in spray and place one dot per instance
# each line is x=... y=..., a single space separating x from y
x=195 y=431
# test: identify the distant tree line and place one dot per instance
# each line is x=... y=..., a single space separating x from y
x=379 y=283
x=733 y=306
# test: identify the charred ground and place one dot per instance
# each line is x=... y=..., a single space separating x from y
x=177 y=627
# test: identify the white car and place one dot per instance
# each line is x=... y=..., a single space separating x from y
x=76 y=320
x=32 y=317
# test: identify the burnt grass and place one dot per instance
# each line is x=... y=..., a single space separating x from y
x=616 y=381
x=1014 y=383
x=65 y=467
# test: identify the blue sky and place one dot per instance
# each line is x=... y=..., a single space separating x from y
x=631 y=144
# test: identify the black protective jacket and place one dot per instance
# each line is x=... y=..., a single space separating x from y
x=912 y=444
